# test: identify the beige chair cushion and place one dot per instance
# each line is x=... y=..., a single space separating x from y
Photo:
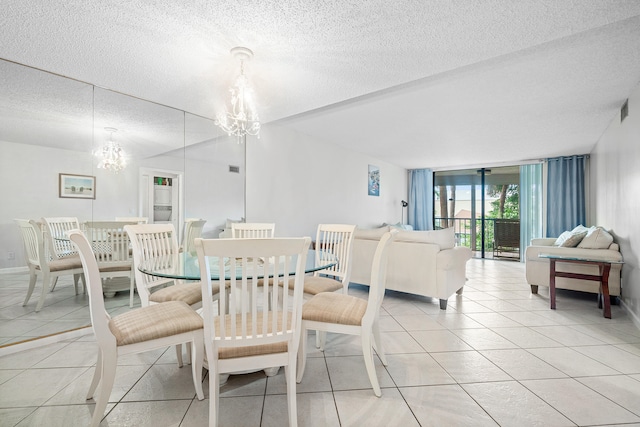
x=153 y=322
x=66 y=263
x=253 y=350
x=316 y=284
x=337 y=308
x=115 y=268
x=189 y=293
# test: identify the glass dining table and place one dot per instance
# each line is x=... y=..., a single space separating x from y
x=185 y=266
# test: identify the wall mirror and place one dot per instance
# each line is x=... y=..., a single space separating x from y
x=51 y=125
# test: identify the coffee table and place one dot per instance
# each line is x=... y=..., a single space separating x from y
x=604 y=267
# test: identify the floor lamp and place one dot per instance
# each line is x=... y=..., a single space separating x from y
x=404 y=205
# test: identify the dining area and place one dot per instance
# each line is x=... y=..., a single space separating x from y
x=248 y=313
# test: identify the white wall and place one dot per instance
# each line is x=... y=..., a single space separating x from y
x=615 y=194
x=298 y=182
x=29 y=174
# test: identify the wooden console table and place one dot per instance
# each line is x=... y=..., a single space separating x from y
x=604 y=267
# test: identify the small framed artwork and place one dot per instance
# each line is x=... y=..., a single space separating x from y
x=76 y=186
x=374 y=181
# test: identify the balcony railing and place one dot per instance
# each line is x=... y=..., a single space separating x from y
x=502 y=236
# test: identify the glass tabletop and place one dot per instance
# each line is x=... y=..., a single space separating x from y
x=559 y=257
x=185 y=265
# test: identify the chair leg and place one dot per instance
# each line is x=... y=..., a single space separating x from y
x=197 y=350
x=289 y=373
x=97 y=374
x=367 y=352
x=106 y=385
x=33 y=277
x=214 y=387
x=302 y=354
x=43 y=294
x=377 y=343
x=132 y=289
x=179 y=355
x=53 y=284
x=321 y=339
x=188 y=354
x=76 y=279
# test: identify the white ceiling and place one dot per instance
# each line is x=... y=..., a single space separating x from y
x=416 y=83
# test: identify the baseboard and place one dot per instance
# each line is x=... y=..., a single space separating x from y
x=42 y=341
x=14 y=270
x=634 y=316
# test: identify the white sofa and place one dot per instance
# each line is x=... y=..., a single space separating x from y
x=424 y=263
x=537 y=269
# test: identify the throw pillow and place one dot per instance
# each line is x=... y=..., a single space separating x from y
x=560 y=240
x=596 y=238
x=575 y=238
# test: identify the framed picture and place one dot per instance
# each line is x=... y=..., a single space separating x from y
x=76 y=186
x=374 y=181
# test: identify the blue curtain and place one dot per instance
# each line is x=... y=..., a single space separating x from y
x=565 y=194
x=530 y=205
x=421 y=199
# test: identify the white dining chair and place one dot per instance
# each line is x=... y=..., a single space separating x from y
x=335 y=240
x=57 y=244
x=143 y=329
x=112 y=249
x=251 y=336
x=192 y=230
x=158 y=243
x=252 y=230
x=39 y=263
x=346 y=314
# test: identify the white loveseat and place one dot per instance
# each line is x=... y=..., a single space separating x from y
x=424 y=263
x=599 y=247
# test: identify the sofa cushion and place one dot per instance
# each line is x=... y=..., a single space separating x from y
x=444 y=238
x=370 y=233
x=596 y=238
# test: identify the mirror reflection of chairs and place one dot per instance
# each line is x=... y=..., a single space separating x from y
x=111 y=247
x=252 y=230
x=143 y=329
x=39 y=262
x=192 y=230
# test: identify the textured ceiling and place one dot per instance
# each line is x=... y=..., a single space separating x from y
x=416 y=83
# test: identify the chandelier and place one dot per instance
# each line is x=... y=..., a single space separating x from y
x=111 y=155
x=241 y=118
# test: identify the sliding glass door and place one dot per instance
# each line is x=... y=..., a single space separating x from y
x=482 y=205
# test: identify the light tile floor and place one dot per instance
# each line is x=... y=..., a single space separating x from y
x=498 y=356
